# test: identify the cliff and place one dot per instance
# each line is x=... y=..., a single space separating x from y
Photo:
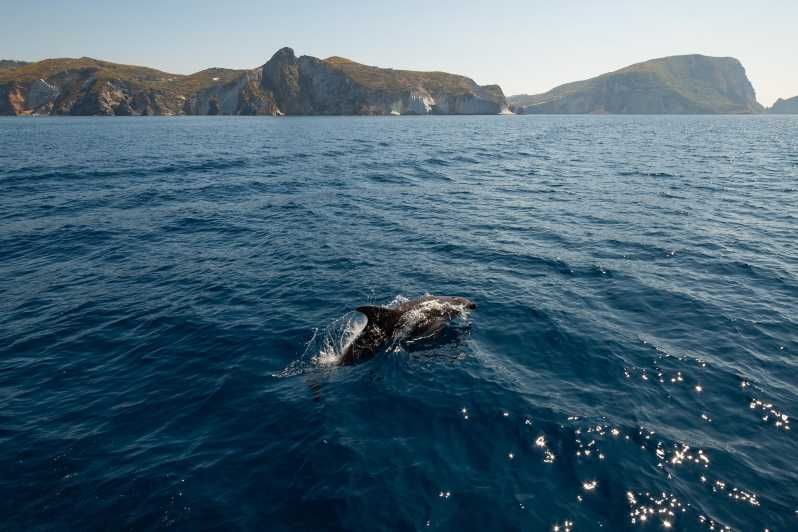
x=689 y=84
x=286 y=84
x=785 y=107
x=336 y=86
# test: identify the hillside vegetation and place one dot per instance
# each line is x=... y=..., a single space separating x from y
x=8 y=64
x=388 y=79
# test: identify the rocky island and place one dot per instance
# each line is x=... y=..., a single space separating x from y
x=285 y=85
x=305 y=85
x=687 y=84
x=785 y=107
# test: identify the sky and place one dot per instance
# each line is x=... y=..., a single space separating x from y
x=526 y=46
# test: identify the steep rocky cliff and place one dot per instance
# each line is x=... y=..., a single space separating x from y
x=90 y=87
x=286 y=84
x=690 y=84
x=337 y=86
x=785 y=107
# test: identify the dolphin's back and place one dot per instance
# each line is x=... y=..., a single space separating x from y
x=383 y=317
x=426 y=314
x=379 y=328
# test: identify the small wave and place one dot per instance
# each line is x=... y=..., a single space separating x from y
x=437 y=162
x=422 y=170
x=385 y=177
x=639 y=173
x=69 y=173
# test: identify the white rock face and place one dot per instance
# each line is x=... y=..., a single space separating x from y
x=465 y=105
x=242 y=96
x=226 y=97
x=417 y=103
x=41 y=93
x=420 y=102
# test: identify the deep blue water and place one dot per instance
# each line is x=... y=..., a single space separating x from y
x=166 y=287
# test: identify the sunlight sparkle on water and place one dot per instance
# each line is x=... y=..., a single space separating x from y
x=566 y=526
x=663 y=507
x=589 y=485
x=769 y=414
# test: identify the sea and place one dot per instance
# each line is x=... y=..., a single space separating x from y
x=174 y=292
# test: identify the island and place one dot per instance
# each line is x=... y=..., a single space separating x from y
x=785 y=107
x=686 y=84
x=305 y=85
x=285 y=85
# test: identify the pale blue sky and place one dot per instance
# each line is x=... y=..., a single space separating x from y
x=524 y=45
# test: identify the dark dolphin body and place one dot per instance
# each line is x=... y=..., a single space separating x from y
x=417 y=318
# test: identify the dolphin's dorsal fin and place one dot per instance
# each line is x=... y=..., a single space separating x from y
x=385 y=318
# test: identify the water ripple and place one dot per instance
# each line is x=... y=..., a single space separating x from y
x=169 y=287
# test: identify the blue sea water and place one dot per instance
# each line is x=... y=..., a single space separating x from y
x=170 y=289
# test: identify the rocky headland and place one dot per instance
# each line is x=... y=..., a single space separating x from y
x=785 y=107
x=687 y=84
x=285 y=85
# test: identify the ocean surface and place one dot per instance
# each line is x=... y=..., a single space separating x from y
x=173 y=290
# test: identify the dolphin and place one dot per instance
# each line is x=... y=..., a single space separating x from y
x=414 y=319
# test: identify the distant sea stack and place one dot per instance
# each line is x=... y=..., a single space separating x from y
x=687 y=84
x=285 y=85
x=785 y=107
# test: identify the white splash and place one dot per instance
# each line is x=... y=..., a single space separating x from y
x=337 y=337
x=427 y=316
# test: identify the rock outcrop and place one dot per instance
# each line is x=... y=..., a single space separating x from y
x=785 y=107
x=285 y=85
x=689 y=84
x=241 y=96
x=337 y=86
